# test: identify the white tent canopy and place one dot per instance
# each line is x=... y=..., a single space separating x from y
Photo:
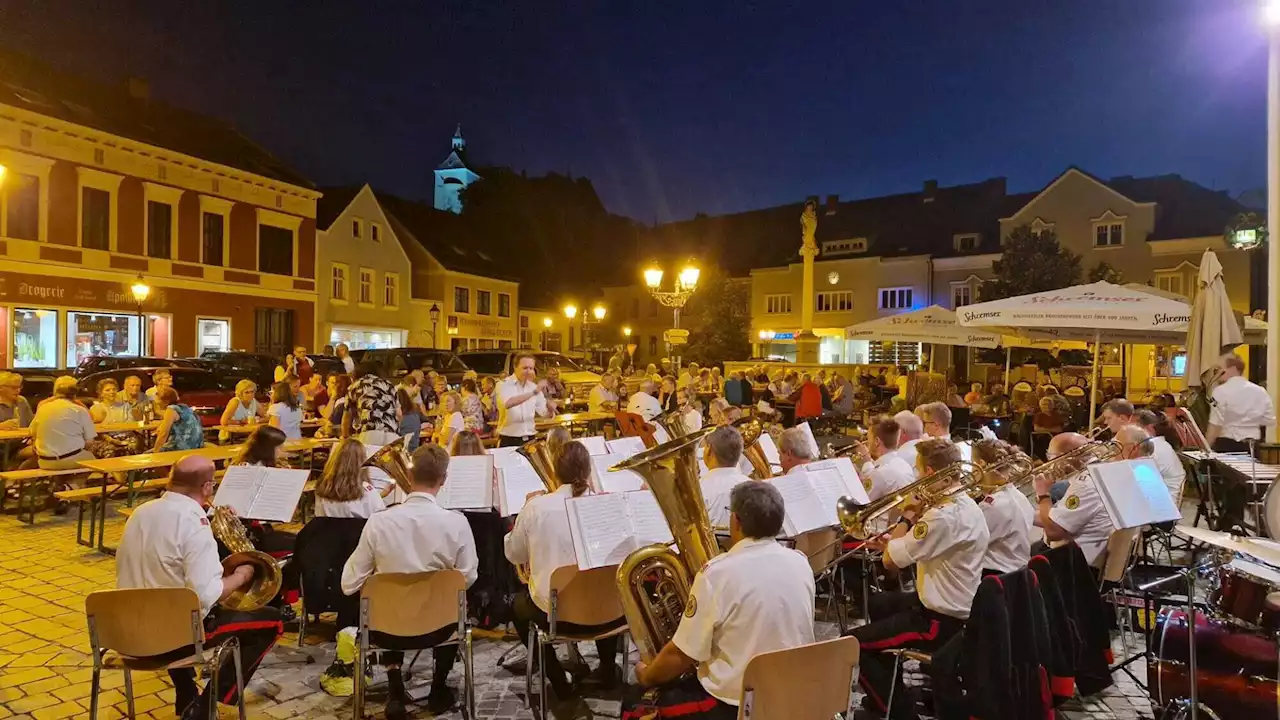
x=1097 y=308
x=934 y=324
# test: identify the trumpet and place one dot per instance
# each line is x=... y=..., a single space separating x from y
x=867 y=521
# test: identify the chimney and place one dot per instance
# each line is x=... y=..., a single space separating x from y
x=833 y=204
x=139 y=88
x=930 y=190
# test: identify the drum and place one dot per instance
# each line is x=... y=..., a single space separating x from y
x=1271 y=512
x=1243 y=586
x=1236 y=667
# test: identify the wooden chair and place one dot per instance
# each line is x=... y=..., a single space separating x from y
x=810 y=681
x=411 y=604
x=632 y=425
x=581 y=597
x=129 y=628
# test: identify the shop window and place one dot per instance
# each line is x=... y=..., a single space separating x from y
x=338 y=288
x=23 y=206
x=1171 y=361
x=275 y=250
x=504 y=305
x=95 y=218
x=214 y=235
x=893 y=353
x=504 y=344
x=100 y=334
x=35 y=338
x=461 y=299
x=159 y=230
x=482 y=302
x=391 y=290
x=366 y=286
x=214 y=334
x=1110 y=354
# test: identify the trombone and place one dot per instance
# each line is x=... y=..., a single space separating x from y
x=867 y=521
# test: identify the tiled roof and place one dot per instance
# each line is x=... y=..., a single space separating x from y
x=332 y=203
x=29 y=84
x=443 y=234
x=1184 y=209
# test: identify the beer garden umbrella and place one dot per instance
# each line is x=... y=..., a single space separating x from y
x=1213 y=325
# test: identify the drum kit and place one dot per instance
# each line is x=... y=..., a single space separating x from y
x=1232 y=652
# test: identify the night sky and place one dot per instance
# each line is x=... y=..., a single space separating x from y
x=673 y=108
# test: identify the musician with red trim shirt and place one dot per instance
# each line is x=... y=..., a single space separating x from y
x=946 y=543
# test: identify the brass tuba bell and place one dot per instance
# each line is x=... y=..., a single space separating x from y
x=393 y=460
x=751 y=431
x=539 y=456
x=266 y=576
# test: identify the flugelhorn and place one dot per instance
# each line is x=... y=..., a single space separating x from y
x=266 y=570
x=867 y=521
x=654 y=581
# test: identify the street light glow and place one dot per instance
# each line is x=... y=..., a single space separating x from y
x=140 y=290
x=2 y=171
x=689 y=277
x=1271 y=13
x=571 y=311
x=599 y=312
x=653 y=277
x=546 y=322
x=626 y=331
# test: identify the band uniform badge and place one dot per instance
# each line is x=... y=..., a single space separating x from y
x=1073 y=502
x=691 y=607
x=920 y=530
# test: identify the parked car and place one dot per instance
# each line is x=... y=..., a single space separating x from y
x=498 y=363
x=204 y=391
x=102 y=363
x=397 y=362
x=326 y=364
x=236 y=365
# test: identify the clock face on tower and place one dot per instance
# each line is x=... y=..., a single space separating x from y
x=833 y=277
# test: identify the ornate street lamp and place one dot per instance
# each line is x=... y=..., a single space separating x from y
x=141 y=291
x=685 y=285
x=434 y=314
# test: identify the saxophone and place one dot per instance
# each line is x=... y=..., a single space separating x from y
x=654 y=581
x=266 y=576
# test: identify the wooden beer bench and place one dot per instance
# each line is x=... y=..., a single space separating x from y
x=29 y=483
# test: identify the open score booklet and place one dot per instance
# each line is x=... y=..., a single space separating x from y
x=261 y=493
x=608 y=527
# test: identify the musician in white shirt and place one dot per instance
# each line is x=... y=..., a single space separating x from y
x=168 y=543
x=722 y=452
x=1079 y=516
x=1010 y=516
x=883 y=471
x=692 y=417
x=644 y=403
x=521 y=397
x=1237 y=409
x=794 y=451
x=912 y=433
x=542 y=541
x=1166 y=458
x=416 y=536
x=344 y=490
x=756 y=598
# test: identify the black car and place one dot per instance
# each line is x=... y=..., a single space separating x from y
x=397 y=362
x=102 y=363
x=236 y=365
x=205 y=392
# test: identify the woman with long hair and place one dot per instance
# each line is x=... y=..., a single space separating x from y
x=179 y=429
x=410 y=417
x=466 y=443
x=344 y=490
x=557 y=438
x=286 y=410
x=111 y=408
x=263 y=448
x=337 y=385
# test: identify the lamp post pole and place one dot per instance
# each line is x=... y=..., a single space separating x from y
x=140 y=291
x=434 y=313
x=1273 y=209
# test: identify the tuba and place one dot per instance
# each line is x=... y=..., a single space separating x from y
x=654 y=581
x=867 y=521
x=751 y=432
x=539 y=456
x=395 y=462
x=266 y=576
x=673 y=422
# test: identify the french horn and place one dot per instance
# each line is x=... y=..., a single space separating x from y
x=266 y=570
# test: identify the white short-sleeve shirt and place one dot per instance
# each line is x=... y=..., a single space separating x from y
x=756 y=598
x=518 y=420
x=168 y=543
x=947 y=545
x=541 y=539
x=1010 y=518
x=1239 y=407
x=1171 y=468
x=886 y=474
x=365 y=506
x=716 y=485
x=1081 y=514
x=907 y=451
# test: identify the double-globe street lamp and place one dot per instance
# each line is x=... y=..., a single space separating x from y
x=686 y=283
x=571 y=312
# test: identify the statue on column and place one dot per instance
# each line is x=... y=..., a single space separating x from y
x=809 y=225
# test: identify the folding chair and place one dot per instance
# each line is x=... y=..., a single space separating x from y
x=810 y=681
x=130 y=629
x=412 y=604
x=581 y=597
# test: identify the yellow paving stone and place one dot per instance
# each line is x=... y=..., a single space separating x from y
x=18 y=679
x=4 y=713
x=147 y=703
x=109 y=698
x=15 y=617
x=73 y=691
x=32 y=703
x=11 y=637
x=70 y=658
x=32 y=659
x=13 y=693
x=27 y=645
x=44 y=686
x=150 y=685
x=60 y=711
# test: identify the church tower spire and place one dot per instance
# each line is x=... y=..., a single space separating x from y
x=453 y=175
x=459 y=144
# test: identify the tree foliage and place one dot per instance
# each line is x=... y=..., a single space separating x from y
x=1031 y=263
x=1103 y=272
x=719 y=320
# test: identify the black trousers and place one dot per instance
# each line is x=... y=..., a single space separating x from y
x=528 y=614
x=1227 y=445
x=490 y=598
x=899 y=620
x=512 y=441
x=393 y=647
x=257 y=632
x=684 y=698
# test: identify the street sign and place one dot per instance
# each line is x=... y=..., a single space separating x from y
x=676 y=336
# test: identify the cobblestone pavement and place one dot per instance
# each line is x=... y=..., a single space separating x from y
x=45 y=662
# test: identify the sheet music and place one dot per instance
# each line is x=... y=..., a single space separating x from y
x=595 y=444
x=848 y=474
x=601 y=529
x=966 y=451
x=830 y=487
x=278 y=494
x=813 y=442
x=660 y=434
x=469 y=483
x=626 y=446
x=613 y=482
x=502 y=456
x=238 y=486
x=515 y=482
x=804 y=509
x=770 y=449
x=1133 y=493
x=647 y=521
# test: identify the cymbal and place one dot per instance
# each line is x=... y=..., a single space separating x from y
x=1259 y=549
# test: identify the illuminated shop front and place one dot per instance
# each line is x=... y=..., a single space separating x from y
x=361 y=338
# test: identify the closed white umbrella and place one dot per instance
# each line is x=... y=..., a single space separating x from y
x=1213 y=326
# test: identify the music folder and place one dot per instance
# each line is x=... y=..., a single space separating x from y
x=595 y=444
x=606 y=528
x=516 y=478
x=604 y=480
x=810 y=497
x=813 y=442
x=468 y=485
x=626 y=446
x=261 y=493
x=1133 y=493
x=770 y=449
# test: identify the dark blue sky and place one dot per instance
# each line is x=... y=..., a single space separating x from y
x=672 y=108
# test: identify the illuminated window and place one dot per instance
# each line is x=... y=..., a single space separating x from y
x=895 y=298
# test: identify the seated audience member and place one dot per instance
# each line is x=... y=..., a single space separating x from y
x=645 y=404
x=450 y=421
x=756 y=598
x=343 y=490
x=602 y=397
x=843 y=398
x=953 y=396
x=242 y=409
x=15 y=411
x=1050 y=419
x=179 y=429
x=883 y=470
x=974 y=396
x=690 y=414
x=285 y=411
x=62 y=428
x=416 y=536
x=1079 y=516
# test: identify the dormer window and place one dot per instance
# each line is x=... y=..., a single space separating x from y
x=1039 y=228
x=1108 y=230
x=966 y=242
x=844 y=247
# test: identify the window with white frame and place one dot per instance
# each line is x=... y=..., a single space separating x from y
x=338 y=286
x=834 y=301
x=1108 y=233
x=777 y=304
x=898 y=298
x=1040 y=228
x=961 y=294
x=1169 y=282
x=366 y=286
x=391 y=290
x=966 y=241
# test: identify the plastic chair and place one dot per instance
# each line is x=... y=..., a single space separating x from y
x=810 y=681
x=411 y=604
x=581 y=597
x=129 y=628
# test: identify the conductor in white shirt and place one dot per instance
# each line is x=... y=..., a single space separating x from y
x=521 y=397
x=1237 y=409
x=721 y=451
x=883 y=471
x=168 y=543
x=794 y=451
x=644 y=403
x=912 y=433
x=542 y=541
x=416 y=536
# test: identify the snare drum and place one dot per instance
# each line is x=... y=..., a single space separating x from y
x=1235 y=667
x=1243 y=586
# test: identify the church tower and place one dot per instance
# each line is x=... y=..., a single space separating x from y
x=453 y=175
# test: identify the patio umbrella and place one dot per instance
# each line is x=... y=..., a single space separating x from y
x=1213 y=325
x=934 y=324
